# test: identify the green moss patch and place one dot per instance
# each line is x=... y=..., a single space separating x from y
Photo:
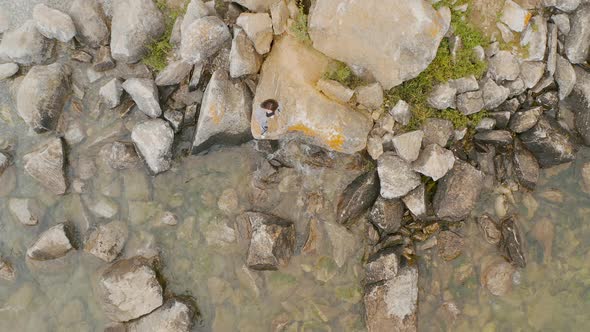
x=157 y=57
x=442 y=69
x=340 y=72
x=299 y=26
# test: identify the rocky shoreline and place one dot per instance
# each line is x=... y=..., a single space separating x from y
x=333 y=71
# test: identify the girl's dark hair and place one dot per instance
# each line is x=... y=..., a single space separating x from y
x=270 y=104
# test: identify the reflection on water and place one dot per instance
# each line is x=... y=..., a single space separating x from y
x=551 y=294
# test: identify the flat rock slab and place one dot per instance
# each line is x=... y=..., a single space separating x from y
x=47 y=166
x=458 y=192
x=129 y=289
x=394 y=39
x=305 y=113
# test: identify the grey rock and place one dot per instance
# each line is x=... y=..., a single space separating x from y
x=41 y=96
x=579 y=102
x=552 y=49
x=272 y=241
x=525 y=120
x=577 y=42
x=129 y=289
x=401 y=112
x=135 y=24
x=8 y=70
x=4 y=162
x=396 y=176
x=52 y=244
x=502 y=118
x=526 y=166
x=107 y=241
x=506 y=33
x=153 y=140
x=511 y=106
x=25 y=45
x=145 y=94
x=386 y=215
x=53 y=23
x=25 y=210
x=470 y=102
x=175 y=315
x=549 y=100
x=434 y=162
x=465 y=84
x=375 y=147
x=408 y=145
x=516 y=87
x=279 y=13
x=486 y=124
x=498 y=138
x=104 y=61
x=458 y=192
x=225 y=114
x=47 y=165
x=175 y=118
x=196 y=76
x=534 y=38
x=563 y=5
x=382 y=266
x=415 y=201
x=393 y=304
x=565 y=76
x=110 y=93
x=442 y=97
x=531 y=72
x=514 y=16
x=258 y=27
x=503 y=67
x=493 y=95
x=122 y=155
x=437 y=131
x=176 y=34
x=195 y=10
x=550 y=143
x=190 y=115
x=174 y=73
x=244 y=60
x=562 y=21
x=370 y=96
x=358 y=196
x=4 y=21
x=89 y=22
x=203 y=38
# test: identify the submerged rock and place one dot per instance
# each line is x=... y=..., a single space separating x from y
x=153 y=140
x=225 y=114
x=450 y=245
x=393 y=305
x=25 y=210
x=458 y=192
x=358 y=197
x=175 y=315
x=52 y=244
x=549 y=142
x=41 y=96
x=203 y=38
x=386 y=215
x=89 y=22
x=396 y=176
x=7 y=272
x=497 y=278
x=47 y=166
x=403 y=45
x=53 y=24
x=129 y=289
x=25 y=45
x=135 y=25
x=382 y=266
x=308 y=114
x=121 y=155
x=511 y=242
x=272 y=241
x=577 y=42
x=103 y=60
x=107 y=241
x=8 y=70
x=145 y=94
x=526 y=166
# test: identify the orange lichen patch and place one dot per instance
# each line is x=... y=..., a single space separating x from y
x=215 y=114
x=528 y=18
x=334 y=142
x=434 y=30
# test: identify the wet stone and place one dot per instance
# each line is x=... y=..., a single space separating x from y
x=386 y=215
x=129 y=289
x=4 y=162
x=550 y=143
x=450 y=245
x=382 y=266
x=525 y=120
x=526 y=166
x=7 y=271
x=396 y=176
x=25 y=45
x=175 y=315
x=497 y=278
x=52 y=244
x=104 y=61
x=47 y=166
x=153 y=140
x=358 y=197
x=107 y=241
x=25 y=210
x=511 y=243
x=272 y=241
x=121 y=155
x=489 y=229
x=458 y=192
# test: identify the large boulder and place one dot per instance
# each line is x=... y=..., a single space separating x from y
x=47 y=165
x=129 y=289
x=458 y=192
x=203 y=38
x=53 y=23
x=175 y=315
x=393 y=304
x=549 y=142
x=577 y=43
x=41 y=96
x=394 y=39
x=25 y=45
x=135 y=24
x=88 y=18
x=225 y=113
x=153 y=141
x=289 y=75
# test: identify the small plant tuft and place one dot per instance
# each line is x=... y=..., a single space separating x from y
x=159 y=50
x=340 y=72
x=299 y=26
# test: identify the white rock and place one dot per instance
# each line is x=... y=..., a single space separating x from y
x=514 y=16
x=51 y=244
x=153 y=140
x=532 y=72
x=503 y=67
x=258 y=27
x=107 y=241
x=396 y=176
x=442 y=97
x=25 y=45
x=565 y=76
x=8 y=70
x=401 y=112
x=203 y=38
x=54 y=24
x=434 y=162
x=89 y=22
x=408 y=145
x=145 y=94
x=534 y=38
